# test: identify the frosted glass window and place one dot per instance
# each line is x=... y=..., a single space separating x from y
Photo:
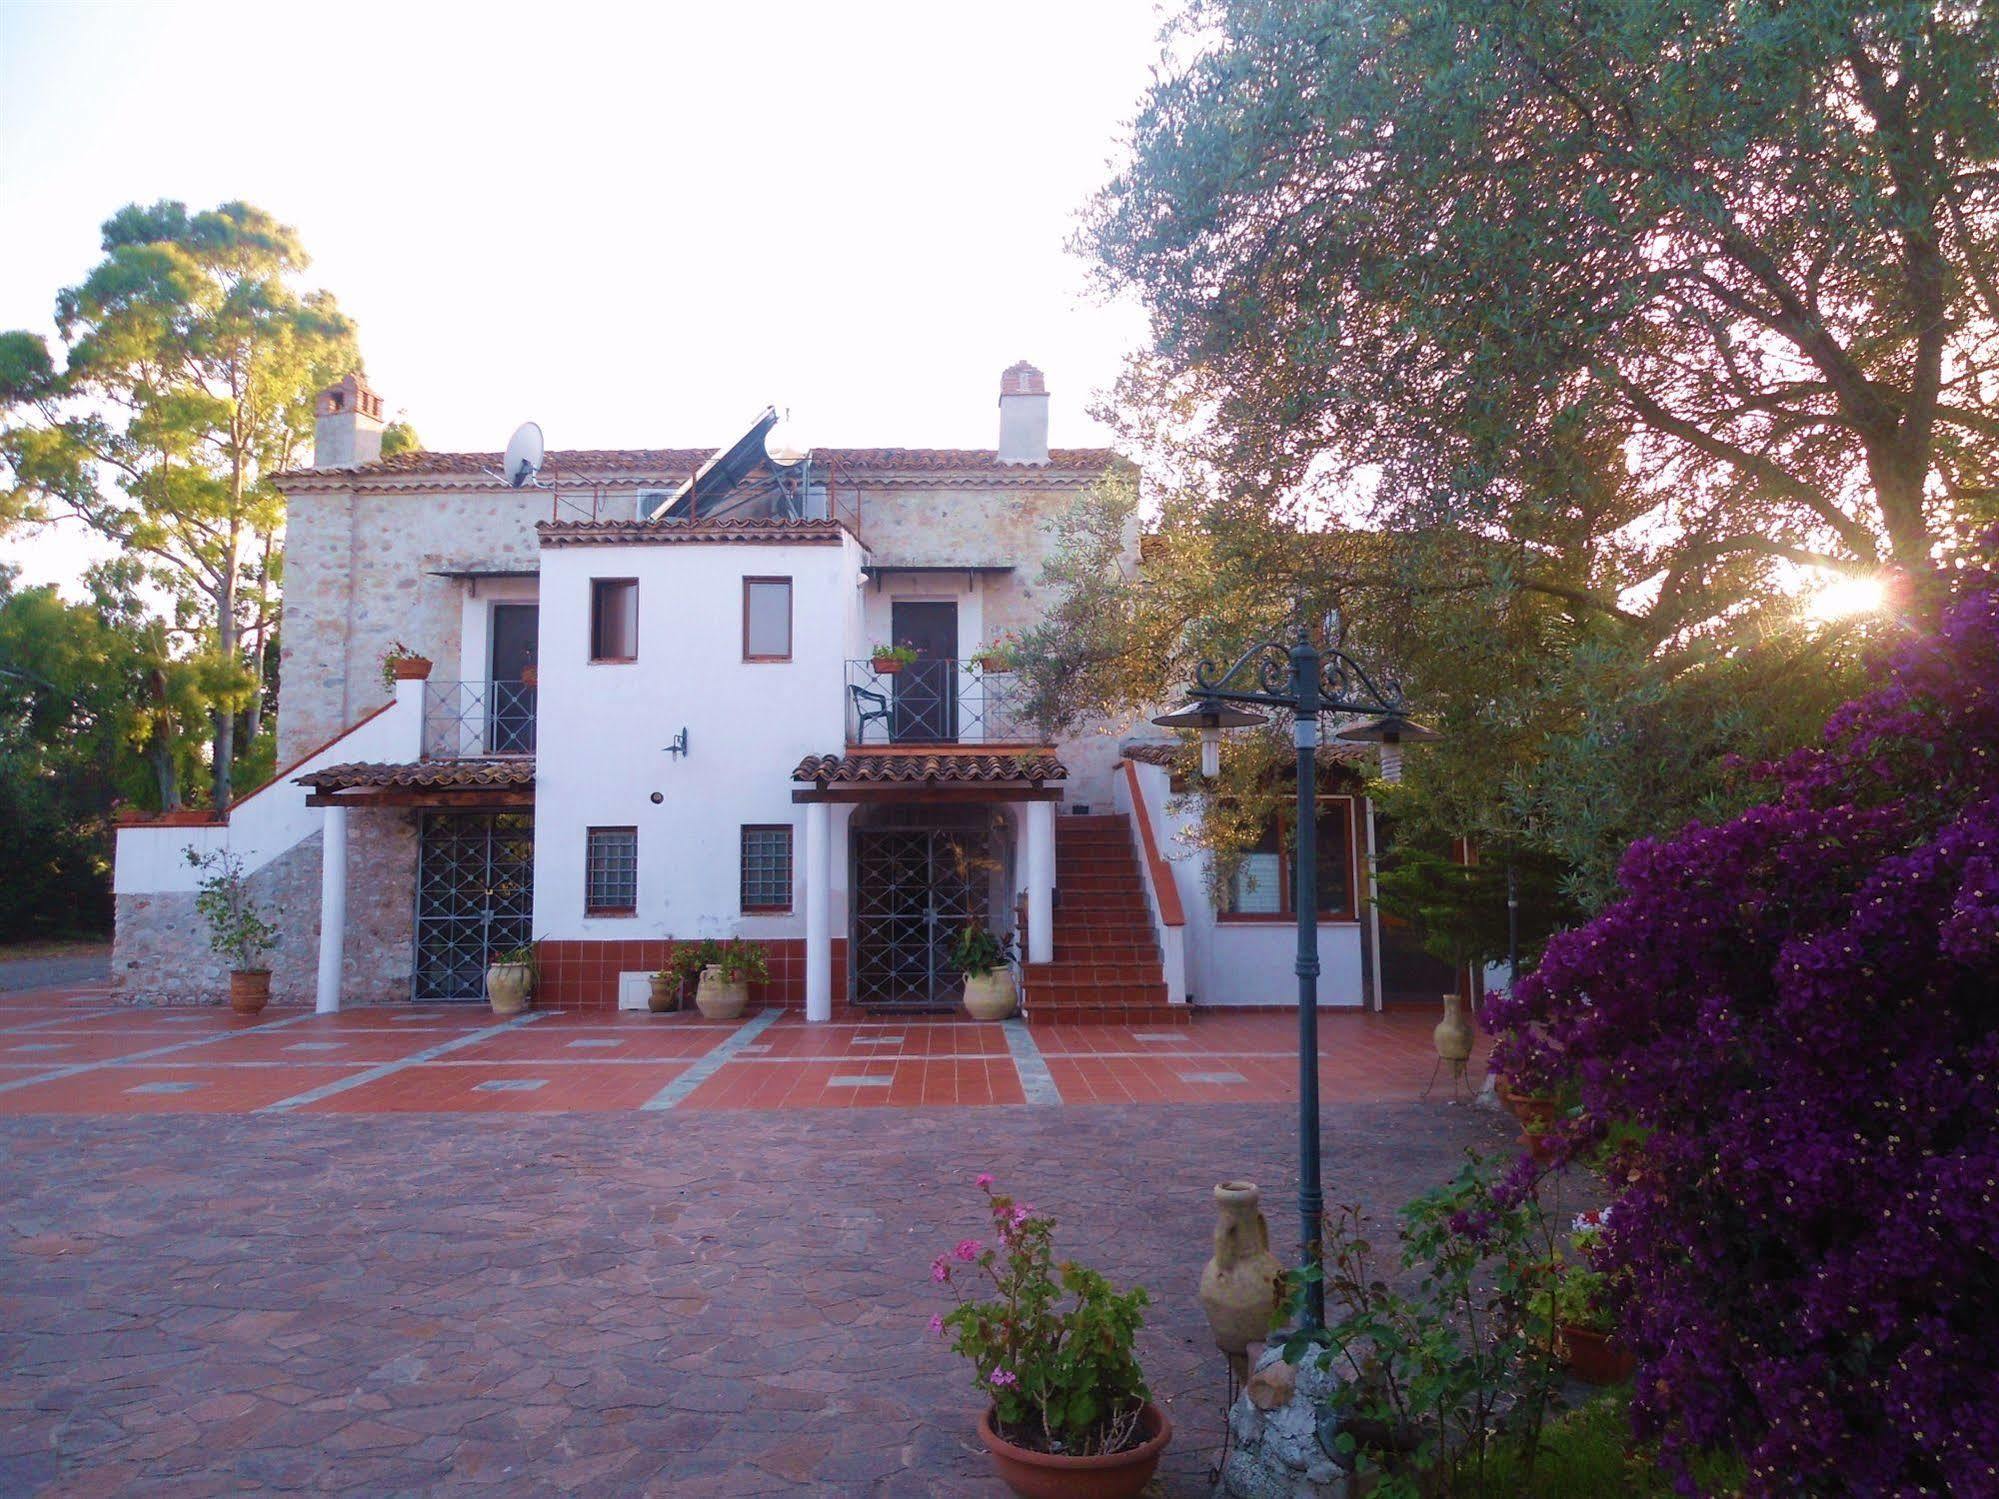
x=766 y=619
x=1259 y=886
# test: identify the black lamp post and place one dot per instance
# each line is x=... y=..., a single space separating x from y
x=1305 y=682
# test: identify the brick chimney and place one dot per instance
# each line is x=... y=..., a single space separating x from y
x=349 y=425
x=1023 y=404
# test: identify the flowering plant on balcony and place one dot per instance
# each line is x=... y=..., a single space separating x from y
x=1062 y=1379
x=1003 y=654
x=893 y=658
x=399 y=661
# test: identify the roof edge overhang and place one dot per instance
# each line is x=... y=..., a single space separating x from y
x=697 y=533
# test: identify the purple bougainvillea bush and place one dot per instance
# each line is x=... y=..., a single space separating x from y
x=1798 y=1010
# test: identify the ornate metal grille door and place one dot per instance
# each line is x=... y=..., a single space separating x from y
x=912 y=897
x=474 y=898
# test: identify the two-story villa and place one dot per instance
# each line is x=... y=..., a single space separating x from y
x=653 y=713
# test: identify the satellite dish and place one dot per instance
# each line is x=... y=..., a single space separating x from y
x=785 y=446
x=523 y=459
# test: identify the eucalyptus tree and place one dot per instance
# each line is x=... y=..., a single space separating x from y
x=190 y=361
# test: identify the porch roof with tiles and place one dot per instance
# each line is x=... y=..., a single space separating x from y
x=425 y=783
x=932 y=774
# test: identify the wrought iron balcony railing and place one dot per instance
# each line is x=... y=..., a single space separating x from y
x=477 y=720
x=934 y=701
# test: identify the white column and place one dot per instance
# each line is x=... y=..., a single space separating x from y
x=818 y=911
x=1041 y=882
x=332 y=907
x=1373 y=903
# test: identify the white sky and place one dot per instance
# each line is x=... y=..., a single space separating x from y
x=635 y=223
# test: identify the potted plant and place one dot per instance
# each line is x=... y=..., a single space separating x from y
x=510 y=980
x=664 y=995
x=685 y=965
x=1537 y=1118
x=1577 y=1308
x=1536 y=1113
x=1001 y=656
x=725 y=983
x=237 y=930
x=890 y=659
x=401 y=664
x=1051 y=1348
x=984 y=957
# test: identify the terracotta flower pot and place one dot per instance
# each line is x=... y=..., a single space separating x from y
x=410 y=668
x=1537 y=1117
x=991 y=996
x=1593 y=1358
x=508 y=986
x=249 y=990
x=1044 y=1475
x=887 y=666
x=665 y=993
x=718 y=999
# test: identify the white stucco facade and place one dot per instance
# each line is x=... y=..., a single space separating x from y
x=601 y=754
x=1232 y=961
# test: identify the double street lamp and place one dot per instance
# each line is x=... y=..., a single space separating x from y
x=1304 y=681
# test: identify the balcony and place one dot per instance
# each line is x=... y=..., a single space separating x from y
x=935 y=701
x=477 y=720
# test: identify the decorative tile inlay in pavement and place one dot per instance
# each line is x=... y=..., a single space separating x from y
x=367 y=1060
x=671 y=1304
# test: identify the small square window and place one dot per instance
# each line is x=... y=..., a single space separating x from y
x=611 y=872
x=614 y=619
x=767 y=868
x=766 y=619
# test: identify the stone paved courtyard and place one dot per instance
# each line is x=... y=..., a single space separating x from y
x=693 y=1300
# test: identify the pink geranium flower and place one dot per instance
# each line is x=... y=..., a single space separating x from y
x=937 y=1325
x=940 y=1268
x=968 y=1250
x=1001 y=1377
x=985 y=1182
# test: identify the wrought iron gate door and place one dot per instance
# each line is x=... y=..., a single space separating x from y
x=474 y=897
x=912 y=896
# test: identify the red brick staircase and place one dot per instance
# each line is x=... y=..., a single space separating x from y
x=1106 y=969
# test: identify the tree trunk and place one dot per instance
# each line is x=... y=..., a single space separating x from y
x=225 y=718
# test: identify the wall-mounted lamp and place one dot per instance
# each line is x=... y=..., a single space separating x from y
x=679 y=744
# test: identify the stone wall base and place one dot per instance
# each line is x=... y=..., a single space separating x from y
x=160 y=953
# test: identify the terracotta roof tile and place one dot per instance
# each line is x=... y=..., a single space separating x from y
x=944 y=767
x=652 y=467
x=665 y=533
x=428 y=774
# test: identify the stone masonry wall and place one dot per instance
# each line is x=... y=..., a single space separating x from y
x=360 y=575
x=941 y=525
x=161 y=953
